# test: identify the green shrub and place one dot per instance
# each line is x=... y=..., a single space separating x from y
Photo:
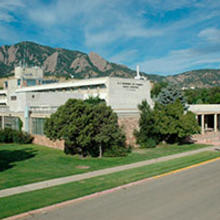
x=149 y=143
x=22 y=138
x=9 y=135
x=116 y=151
x=6 y=135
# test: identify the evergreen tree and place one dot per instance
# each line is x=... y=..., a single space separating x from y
x=167 y=123
x=157 y=87
x=170 y=94
x=88 y=128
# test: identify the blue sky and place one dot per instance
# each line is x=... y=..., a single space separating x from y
x=162 y=36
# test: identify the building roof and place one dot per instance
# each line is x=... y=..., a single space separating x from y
x=205 y=108
x=70 y=84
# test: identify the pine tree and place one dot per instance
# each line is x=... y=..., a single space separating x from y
x=169 y=95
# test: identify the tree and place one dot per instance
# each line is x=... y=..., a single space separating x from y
x=87 y=127
x=168 y=123
x=94 y=100
x=107 y=133
x=203 y=95
x=157 y=87
x=170 y=94
x=147 y=136
x=173 y=124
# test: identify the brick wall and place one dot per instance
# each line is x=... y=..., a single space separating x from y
x=129 y=124
x=212 y=138
x=42 y=140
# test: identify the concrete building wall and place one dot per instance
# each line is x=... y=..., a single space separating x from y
x=12 y=86
x=50 y=98
x=28 y=72
x=40 y=99
x=127 y=94
x=17 y=102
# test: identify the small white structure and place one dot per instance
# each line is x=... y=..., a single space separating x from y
x=138 y=76
x=208 y=116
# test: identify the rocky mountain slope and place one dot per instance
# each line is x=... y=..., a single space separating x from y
x=59 y=62
x=67 y=63
x=197 y=78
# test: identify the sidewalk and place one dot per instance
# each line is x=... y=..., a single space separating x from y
x=63 y=180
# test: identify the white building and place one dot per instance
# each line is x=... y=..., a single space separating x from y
x=27 y=97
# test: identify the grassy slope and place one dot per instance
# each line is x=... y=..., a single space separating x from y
x=32 y=200
x=23 y=164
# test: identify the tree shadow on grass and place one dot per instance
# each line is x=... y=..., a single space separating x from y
x=9 y=157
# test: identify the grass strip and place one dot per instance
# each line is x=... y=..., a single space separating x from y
x=20 y=203
x=25 y=164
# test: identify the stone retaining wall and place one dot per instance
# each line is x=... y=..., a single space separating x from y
x=129 y=124
x=212 y=138
x=43 y=140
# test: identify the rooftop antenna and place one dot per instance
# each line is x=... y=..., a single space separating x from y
x=138 y=76
x=138 y=73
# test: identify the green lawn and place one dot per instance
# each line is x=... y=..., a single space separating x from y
x=16 y=204
x=23 y=164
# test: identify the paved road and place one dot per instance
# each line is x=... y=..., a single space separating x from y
x=192 y=194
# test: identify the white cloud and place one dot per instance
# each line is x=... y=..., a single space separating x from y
x=179 y=60
x=210 y=34
x=7 y=7
x=102 y=22
x=125 y=56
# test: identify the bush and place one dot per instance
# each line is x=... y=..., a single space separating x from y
x=116 y=151
x=9 y=135
x=6 y=135
x=22 y=138
x=149 y=143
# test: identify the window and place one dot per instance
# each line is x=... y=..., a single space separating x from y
x=11 y=122
x=19 y=82
x=13 y=98
x=38 y=126
x=6 y=84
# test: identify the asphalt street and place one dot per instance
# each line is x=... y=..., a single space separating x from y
x=188 y=195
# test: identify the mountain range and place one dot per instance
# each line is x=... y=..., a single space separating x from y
x=58 y=62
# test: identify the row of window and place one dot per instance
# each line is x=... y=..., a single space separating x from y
x=10 y=122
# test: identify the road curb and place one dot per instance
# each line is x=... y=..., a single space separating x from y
x=61 y=204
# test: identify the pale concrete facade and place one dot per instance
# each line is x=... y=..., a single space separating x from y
x=208 y=116
x=32 y=104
